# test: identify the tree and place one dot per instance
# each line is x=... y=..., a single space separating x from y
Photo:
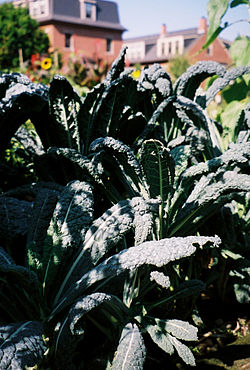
x=178 y=66
x=19 y=32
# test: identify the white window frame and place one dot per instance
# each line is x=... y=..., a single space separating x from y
x=83 y=10
x=171 y=48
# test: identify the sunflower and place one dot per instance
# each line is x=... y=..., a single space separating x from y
x=46 y=63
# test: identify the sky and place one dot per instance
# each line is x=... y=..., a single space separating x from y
x=145 y=17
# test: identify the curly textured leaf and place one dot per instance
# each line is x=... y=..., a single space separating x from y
x=107 y=231
x=181 y=155
x=85 y=166
x=222 y=82
x=157 y=253
x=108 y=109
x=19 y=283
x=236 y=156
x=243 y=125
x=20 y=103
x=160 y=279
x=131 y=351
x=193 y=115
x=158 y=166
x=233 y=120
x=14 y=217
x=188 y=82
x=42 y=212
x=64 y=105
x=117 y=67
x=124 y=155
x=66 y=337
x=71 y=218
x=163 y=108
x=156 y=79
x=21 y=345
x=30 y=141
x=73 y=214
x=207 y=197
x=7 y=80
x=85 y=116
x=118 y=148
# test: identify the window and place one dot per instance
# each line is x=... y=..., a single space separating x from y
x=177 y=49
x=148 y=47
x=88 y=9
x=68 y=40
x=169 y=48
x=163 y=50
x=108 y=45
x=210 y=50
x=38 y=8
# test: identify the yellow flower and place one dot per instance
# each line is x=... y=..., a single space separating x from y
x=136 y=74
x=46 y=63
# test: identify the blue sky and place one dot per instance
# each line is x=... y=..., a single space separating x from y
x=145 y=17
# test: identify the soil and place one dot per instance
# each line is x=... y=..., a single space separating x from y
x=226 y=342
x=235 y=355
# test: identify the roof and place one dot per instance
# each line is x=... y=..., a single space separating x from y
x=150 y=41
x=68 y=11
x=150 y=54
x=81 y=22
x=148 y=38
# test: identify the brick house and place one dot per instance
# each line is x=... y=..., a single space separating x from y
x=165 y=46
x=89 y=27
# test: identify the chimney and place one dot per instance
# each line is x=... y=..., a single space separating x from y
x=163 y=30
x=202 y=26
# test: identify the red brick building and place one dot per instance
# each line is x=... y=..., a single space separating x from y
x=165 y=46
x=89 y=27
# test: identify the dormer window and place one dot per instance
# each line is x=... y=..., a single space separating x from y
x=88 y=9
x=38 y=8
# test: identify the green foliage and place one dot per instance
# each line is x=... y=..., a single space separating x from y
x=178 y=66
x=129 y=180
x=240 y=51
x=216 y=10
x=19 y=32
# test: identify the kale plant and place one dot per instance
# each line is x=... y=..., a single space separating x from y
x=100 y=247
